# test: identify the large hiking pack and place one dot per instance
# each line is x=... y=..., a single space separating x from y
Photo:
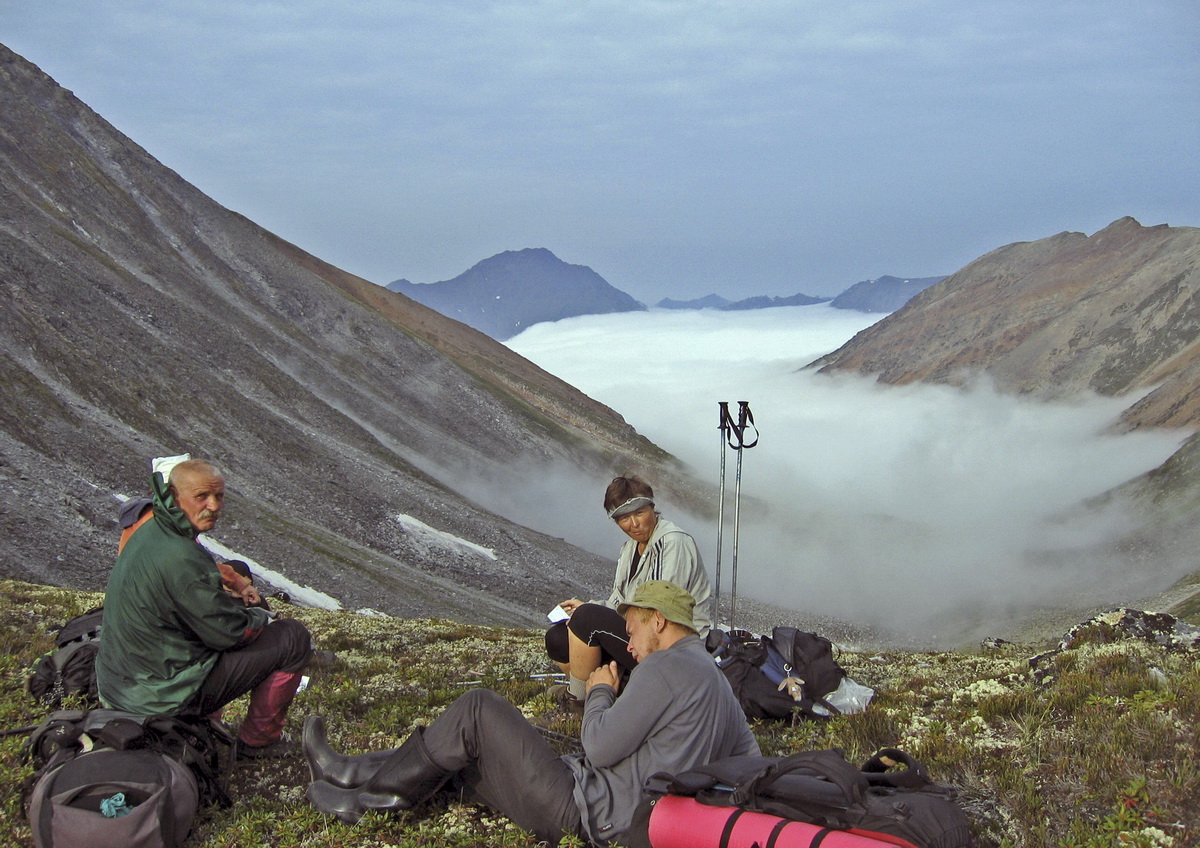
x=806 y=799
x=70 y=669
x=792 y=672
x=109 y=778
x=114 y=799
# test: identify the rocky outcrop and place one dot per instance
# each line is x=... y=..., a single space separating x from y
x=514 y=290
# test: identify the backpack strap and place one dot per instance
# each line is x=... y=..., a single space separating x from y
x=192 y=741
x=912 y=776
x=829 y=765
x=773 y=837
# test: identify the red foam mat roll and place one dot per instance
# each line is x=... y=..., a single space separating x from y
x=678 y=822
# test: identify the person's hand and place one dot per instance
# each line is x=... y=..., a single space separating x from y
x=609 y=675
x=238 y=586
x=569 y=606
x=247 y=595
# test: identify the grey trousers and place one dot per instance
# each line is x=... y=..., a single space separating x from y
x=501 y=761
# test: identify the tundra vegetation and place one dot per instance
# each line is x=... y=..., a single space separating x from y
x=1090 y=745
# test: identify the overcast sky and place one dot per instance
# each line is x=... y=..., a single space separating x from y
x=677 y=147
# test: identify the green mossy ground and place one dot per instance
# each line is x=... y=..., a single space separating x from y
x=1101 y=750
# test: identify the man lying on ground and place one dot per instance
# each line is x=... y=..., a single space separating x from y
x=677 y=712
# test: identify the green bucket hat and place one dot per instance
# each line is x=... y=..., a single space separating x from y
x=674 y=603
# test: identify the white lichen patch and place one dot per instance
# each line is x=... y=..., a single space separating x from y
x=979 y=690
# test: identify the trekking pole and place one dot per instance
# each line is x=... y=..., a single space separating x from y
x=745 y=419
x=723 y=427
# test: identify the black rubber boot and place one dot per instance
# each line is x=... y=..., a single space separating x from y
x=328 y=765
x=406 y=778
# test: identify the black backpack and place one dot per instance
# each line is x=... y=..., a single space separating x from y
x=741 y=657
x=806 y=657
x=70 y=669
x=760 y=670
x=163 y=768
x=821 y=788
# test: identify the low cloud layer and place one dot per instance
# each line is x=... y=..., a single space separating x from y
x=932 y=510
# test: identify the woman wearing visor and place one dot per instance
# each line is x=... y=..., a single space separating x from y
x=656 y=550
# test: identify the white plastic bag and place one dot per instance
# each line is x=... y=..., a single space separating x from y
x=849 y=698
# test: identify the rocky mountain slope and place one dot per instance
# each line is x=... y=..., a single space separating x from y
x=506 y=293
x=1116 y=313
x=141 y=318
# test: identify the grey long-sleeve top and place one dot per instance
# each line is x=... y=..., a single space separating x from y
x=677 y=712
x=670 y=554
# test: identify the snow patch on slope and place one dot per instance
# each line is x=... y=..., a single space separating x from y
x=428 y=538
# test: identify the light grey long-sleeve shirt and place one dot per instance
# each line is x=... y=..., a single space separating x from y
x=677 y=712
x=671 y=554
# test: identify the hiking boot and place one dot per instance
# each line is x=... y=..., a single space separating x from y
x=277 y=750
x=565 y=701
x=328 y=765
x=406 y=778
x=569 y=704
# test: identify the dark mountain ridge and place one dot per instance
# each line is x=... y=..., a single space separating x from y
x=768 y=301
x=506 y=293
x=511 y=291
x=883 y=294
x=144 y=319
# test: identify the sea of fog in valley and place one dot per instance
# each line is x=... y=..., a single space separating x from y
x=926 y=509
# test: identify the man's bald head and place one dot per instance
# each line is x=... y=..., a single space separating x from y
x=200 y=492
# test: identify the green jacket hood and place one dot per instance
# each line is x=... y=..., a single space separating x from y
x=167 y=511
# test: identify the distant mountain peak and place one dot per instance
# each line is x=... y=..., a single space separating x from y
x=513 y=290
x=709 y=301
x=883 y=294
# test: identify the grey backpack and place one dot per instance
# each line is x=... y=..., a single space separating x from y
x=107 y=778
x=108 y=798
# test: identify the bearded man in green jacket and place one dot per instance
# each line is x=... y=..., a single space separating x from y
x=174 y=640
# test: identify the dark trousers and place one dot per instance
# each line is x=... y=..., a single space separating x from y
x=595 y=625
x=284 y=645
x=503 y=762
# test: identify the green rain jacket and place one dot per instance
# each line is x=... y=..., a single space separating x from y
x=166 y=617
